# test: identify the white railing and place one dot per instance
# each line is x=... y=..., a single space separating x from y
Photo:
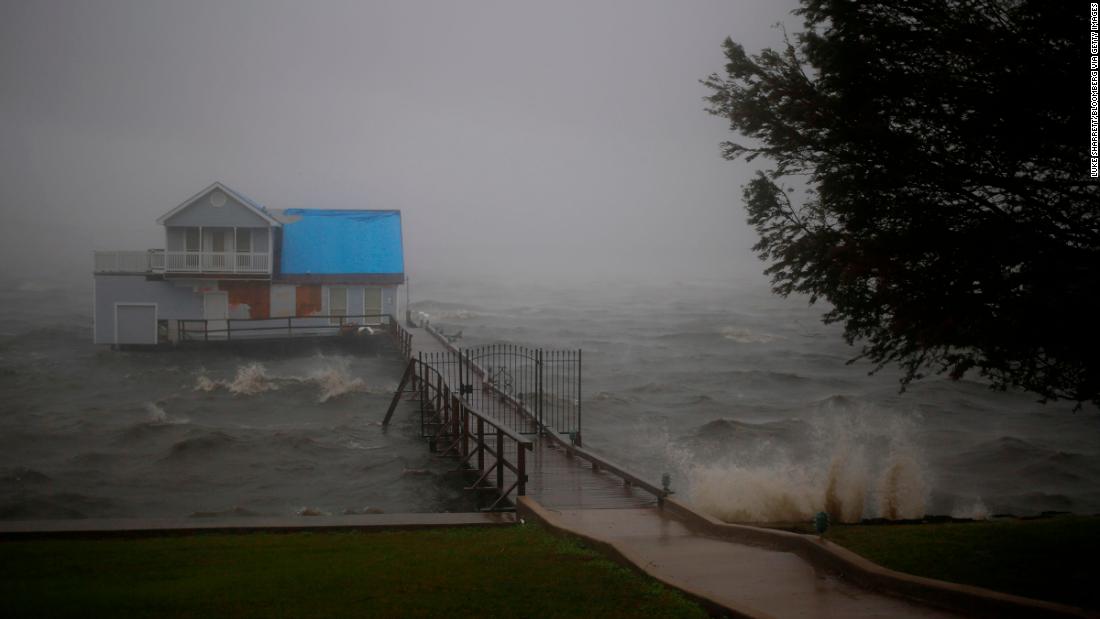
x=216 y=262
x=128 y=261
x=160 y=261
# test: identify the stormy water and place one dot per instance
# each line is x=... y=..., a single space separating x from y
x=743 y=398
x=86 y=432
x=747 y=401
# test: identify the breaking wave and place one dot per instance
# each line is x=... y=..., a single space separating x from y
x=431 y=311
x=334 y=382
x=974 y=510
x=745 y=336
x=852 y=466
x=204 y=383
x=250 y=380
x=458 y=314
x=156 y=414
x=333 y=379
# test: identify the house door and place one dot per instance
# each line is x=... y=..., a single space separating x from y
x=215 y=309
x=372 y=305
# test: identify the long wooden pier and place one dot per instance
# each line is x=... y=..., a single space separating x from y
x=555 y=471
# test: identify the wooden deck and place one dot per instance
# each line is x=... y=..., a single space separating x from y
x=555 y=478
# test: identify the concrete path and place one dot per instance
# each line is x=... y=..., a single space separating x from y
x=756 y=581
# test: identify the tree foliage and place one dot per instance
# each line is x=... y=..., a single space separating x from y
x=943 y=206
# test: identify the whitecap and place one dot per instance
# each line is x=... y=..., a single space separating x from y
x=745 y=336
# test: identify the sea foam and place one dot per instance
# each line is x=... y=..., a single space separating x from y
x=853 y=466
x=331 y=375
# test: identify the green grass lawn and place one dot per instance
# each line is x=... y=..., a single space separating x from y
x=520 y=571
x=1056 y=559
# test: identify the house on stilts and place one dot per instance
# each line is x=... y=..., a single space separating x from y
x=234 y=269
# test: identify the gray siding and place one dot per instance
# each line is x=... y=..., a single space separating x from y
x=136 y=324
x=202 y=213
x=174 y=299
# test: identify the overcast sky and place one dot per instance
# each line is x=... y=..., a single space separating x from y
x=544 y=139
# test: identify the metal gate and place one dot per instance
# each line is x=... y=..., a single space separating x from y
x=524 y=389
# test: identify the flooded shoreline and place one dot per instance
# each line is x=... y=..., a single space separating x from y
x=745 y=399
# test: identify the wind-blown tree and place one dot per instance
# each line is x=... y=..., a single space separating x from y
x=927 y=174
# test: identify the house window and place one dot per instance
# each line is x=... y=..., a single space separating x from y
x=244 y=241
x=191 y=239
x=337 y=305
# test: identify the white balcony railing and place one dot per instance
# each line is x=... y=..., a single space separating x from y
x=160 y=261
x=216 y=262
x=127 y=261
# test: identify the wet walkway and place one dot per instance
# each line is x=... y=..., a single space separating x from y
x=758 y=582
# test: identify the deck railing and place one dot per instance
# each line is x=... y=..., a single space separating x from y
x=127 y=261
x=160 y=261
x=217 y=262
x=237 y=329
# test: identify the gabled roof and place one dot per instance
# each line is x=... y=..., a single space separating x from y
x=249 y=203
x=340 y=242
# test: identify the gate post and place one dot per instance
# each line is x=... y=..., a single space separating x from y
x=480 y=444
x=521 y=464
x=579 y=398
x=423 y=390
x=500 y=460
x=465 y=426
x=538 y=391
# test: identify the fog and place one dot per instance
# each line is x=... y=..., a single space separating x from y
x=542 y=140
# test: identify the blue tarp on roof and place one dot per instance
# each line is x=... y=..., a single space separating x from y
x=329 y=242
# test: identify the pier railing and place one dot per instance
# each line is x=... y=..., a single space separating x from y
x=237 y=329
x=484 y=447
x=524 y=392
x=402 y=338
x=530 y=389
